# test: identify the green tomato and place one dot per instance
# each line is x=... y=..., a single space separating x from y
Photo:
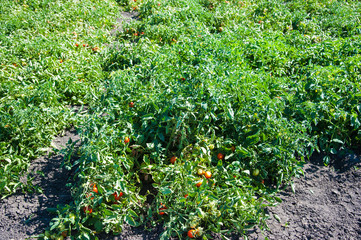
x=47 y=233
x=255 y=172
x=72 y=217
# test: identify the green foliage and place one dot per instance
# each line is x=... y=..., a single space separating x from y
x=243 y=89
x=265 y=83
x=43 y=72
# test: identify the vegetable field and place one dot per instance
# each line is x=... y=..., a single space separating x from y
x=198 y=112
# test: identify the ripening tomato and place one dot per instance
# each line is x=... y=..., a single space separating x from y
x=126 y=140
x=173 y=159
x=220 y=156
x=191 y=233
x=199 y=183
x=200 y=172
x=64 y=233
x=131 y=104
x=95 y=189
x=208 y=174
x=183 y=79
x=233 y=148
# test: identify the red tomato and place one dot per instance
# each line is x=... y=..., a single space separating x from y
x=76 y=45
x=116 y=196
x=87 y=209
x=220 y=156
x=131 y=104
x=208 y=174
x=191 y=233
x=185 y=196
x=95 y=189
x=173 y=159
x=126 y=140
x=162 y=208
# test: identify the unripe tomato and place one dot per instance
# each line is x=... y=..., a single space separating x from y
x=126 y=140
x=191 y=233
x=208 y=174
x=220 y=156
x=173 y=159
x=47 y=233
x=211 y=146
x=255 y=172
x=72 y=217
x=131 y=104
x=60 y=237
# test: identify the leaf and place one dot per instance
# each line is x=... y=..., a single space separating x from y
x=132 y=213
x=337 y=140
x=230 y=112
x=277 y=217
x=166 y=190
x=130 y=221
x=98 y=225
x=253 y=139
x=204 y=106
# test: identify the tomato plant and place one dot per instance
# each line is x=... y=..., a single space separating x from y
x=242 y=99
